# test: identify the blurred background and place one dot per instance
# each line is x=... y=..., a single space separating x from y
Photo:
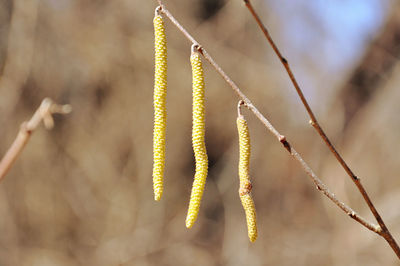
x=81 y=194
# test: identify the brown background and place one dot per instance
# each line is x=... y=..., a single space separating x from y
x=81 y=194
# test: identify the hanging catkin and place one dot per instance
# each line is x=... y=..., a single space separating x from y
x=245 y=184
x=160 y=115
x=198 y=131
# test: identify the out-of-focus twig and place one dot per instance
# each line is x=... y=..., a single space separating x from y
x=43 y=113
x=282 y=139
x=384 y=231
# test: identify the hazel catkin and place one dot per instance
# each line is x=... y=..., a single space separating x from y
x=160 y=115
x=245 y=183
x=198 y=131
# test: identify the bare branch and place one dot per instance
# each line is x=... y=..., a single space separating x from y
x=282 y=139
x=43 y=113
x=385 y=231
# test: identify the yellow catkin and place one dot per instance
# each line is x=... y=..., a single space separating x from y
x=245 y=183
x=160 y=115
x=199 y=146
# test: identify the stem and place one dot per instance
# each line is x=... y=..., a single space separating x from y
x=282 y=139
x=384 y=232
x=43 y=113
x=239 y=109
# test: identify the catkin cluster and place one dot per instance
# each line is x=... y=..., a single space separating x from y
x=198 y=132
x=160 y=114
x=198 y=143
x=245 y=183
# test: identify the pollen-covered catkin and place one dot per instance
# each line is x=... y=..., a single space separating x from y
x=245 y=184
x=198 y=143
x=160 y=115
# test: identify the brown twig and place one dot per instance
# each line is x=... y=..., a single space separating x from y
x=282 y=139
x=384 y=230
x=43 y=113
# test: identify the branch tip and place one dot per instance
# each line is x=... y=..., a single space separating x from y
x=44 y=113
x=61 y=109
x=239 y=109
x=158 y=10
x=196 y=48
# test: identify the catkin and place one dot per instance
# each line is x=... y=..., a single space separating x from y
x=160 y=115
x=199 y=147
x=245 y=184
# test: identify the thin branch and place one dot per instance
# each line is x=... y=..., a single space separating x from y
x=319 y=184
x=43 y=113
x=385 y=231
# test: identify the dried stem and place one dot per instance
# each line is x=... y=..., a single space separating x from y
x=384 y=230
x=239 y=109
x=282 y=139
x=43 y=113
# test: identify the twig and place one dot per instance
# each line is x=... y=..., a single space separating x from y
x=239 y=109
x=282 y=139
x=43 y=113
x=384 y=230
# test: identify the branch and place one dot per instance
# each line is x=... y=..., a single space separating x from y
x=43 y=113
x=313 y=121
x=282 y=139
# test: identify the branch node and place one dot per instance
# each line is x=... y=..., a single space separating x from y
x=284 y=60
x=379 y=230
x=25 y=128
x=282 y=139
x=158 y=11
x=196 y=48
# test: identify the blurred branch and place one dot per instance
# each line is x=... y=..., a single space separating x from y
x=375 y=66
x=383 y=231
x=282 y=139
x=43 y=113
